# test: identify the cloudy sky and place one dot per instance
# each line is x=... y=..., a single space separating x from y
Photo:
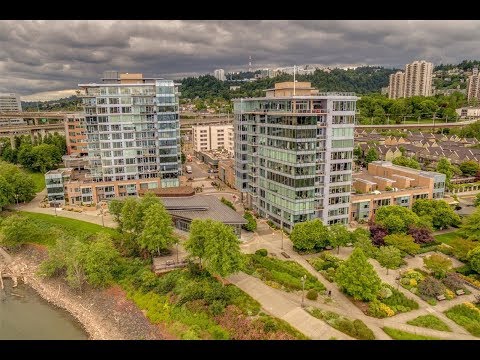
x=43 y=59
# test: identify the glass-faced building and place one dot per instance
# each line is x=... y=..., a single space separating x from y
x=293 y=154
x=133 y=129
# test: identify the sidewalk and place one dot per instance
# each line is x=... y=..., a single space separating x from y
x=276 y=303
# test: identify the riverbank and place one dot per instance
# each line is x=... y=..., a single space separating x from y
x=104 y=314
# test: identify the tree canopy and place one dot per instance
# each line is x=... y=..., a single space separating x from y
x=357 y=277
x=309 y=234
x=439 y=265
x=389 y=257
x=404 y=243
x=441 y=214
x=470 y=229
x=395 y=218
x=406 y=161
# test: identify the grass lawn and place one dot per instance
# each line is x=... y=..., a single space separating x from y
x=38 y=179
x=396 y=334
x=466 y=315
x=430 y=322
x=447 y=237
x=70 y=226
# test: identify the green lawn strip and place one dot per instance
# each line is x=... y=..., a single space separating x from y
x=429 y=322
x=38 y=178
x=70 y=226
x=447 y=237
x=466 y=315
x=396 y=334
x=356 y=328
x=287 y=274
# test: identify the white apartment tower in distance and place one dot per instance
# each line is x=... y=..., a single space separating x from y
x=473 y=88
x=219 y=74
x=10 y=102
x=133 y=129
x=293 y=154
x=418 y=79
x=396 y=84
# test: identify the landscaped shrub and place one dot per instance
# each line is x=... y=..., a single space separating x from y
x=431 y=287
x=398 y=302
x=445 y=249
x=228 y=203
x=379 y=310
x=261 y=252
x=385 y=293
x=284 y=273
x=356 y=328
x=312 y=295
x=453 y=281
x=396 y=334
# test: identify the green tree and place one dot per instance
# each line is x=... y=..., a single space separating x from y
x=474 y=259
x=157 y=232
x=309 y=234
x=338 y=236
x=389 y=257
x=402 y=242
x=251 y=224
x=6 y=192
x=17 y=230
x=358 y=153
x=200 y=231
x=184 y=157
x=444 y=166
x=439 y=211
x=358 y=234
x=25 y=156
x=115 y=207
x=99 y=260
x=406 y=161
x=438 y=265
x=46 y=156
x=222 y=250
x=469 y=167
x=23 y=187
x=470 y=229
x=372 y=155
x=476 y=202
x=365 y=244
x=395 y=218
x=129 y=216
x=357 y=277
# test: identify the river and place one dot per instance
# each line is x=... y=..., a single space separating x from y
x=29 y=317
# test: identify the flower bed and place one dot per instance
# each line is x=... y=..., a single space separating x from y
x=390 y=302
x=396 y=334
x=429 y=322
x=428 y=288
x=356 y=328
x=326 y=264
x=284 y=275
x=471 y=280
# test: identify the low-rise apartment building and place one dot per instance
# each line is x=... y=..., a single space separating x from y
x=213 y=137
x=226 y=172
x=387 y=184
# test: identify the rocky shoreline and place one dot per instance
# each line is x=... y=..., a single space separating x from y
x=104 y=314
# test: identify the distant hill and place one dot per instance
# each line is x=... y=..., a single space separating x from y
x=362 y=80
x=71 y=103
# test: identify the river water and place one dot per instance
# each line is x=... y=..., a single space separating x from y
x=29 y=317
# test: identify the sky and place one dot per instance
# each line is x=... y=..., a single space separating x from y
x=47 y=59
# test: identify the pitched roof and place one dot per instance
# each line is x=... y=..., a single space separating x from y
x=202 y=207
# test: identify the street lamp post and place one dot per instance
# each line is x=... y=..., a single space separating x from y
x=177 y=251
x=302 y=279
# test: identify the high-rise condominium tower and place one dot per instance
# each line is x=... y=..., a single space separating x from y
x=293 y=153
x=418 y=79
x=133 y=129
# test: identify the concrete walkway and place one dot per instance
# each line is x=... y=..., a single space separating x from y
x=88 y=216
x=276 y=303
